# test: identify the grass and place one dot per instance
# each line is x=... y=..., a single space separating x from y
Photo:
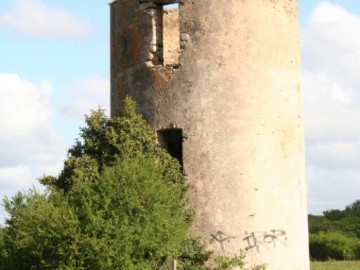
x=335 y=265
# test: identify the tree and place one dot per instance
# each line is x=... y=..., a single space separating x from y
x=104 y=140
x=353 y=208
x=336 y=233
x=42 y=233
x=105 y=202
x=119 y=203
x=334 y=214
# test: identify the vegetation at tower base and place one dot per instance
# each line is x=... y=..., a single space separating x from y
x=336 y=234
x=119 y=203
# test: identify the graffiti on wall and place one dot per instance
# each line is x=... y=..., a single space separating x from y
x=221 y=238
x=253 y=240
x=271 y=238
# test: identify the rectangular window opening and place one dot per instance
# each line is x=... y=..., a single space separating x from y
x=165 y=41
x=171 y=35
x=172 y=141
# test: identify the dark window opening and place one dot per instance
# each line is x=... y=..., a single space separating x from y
x=172 y=141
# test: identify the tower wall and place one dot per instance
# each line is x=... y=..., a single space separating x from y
x=235 y=93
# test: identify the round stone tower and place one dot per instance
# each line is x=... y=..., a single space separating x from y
x=219 y=81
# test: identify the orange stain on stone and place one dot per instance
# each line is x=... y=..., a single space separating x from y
x=159 y=80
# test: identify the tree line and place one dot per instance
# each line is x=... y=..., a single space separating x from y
x=336 y=234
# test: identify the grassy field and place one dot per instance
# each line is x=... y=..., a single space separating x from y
x=333 y=265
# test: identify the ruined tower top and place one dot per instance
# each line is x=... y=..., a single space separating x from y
x=219 y=81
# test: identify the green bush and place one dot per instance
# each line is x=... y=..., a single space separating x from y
x=119 y=203
x=334 y=245
x=41 y=233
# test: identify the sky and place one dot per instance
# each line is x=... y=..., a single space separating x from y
x=54 y=68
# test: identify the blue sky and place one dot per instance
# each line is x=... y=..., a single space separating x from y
x=54 y=67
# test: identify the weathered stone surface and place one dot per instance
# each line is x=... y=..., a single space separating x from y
x=171 y=37
x=184 y=37
x=236 y=96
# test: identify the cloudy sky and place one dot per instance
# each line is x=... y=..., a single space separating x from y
x=54 y=68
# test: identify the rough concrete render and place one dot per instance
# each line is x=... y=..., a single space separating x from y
x=219 y=81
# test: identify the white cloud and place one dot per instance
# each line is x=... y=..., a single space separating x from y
x=34 y=17
x=331 y=86
x=29 y=146
x=331 y=42
x=87 y=94
x=22 y=100
x=25 y=120
x=17 y=177
x=337 y=25
x=331 y=110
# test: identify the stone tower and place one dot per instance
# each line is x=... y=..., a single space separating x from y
x=219 y=81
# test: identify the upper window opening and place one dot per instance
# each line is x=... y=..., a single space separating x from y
x=165 y=41
x=171 y=35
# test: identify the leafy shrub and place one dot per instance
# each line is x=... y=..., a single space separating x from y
x=119 y=203
x=334 y=245
x=41 y=232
